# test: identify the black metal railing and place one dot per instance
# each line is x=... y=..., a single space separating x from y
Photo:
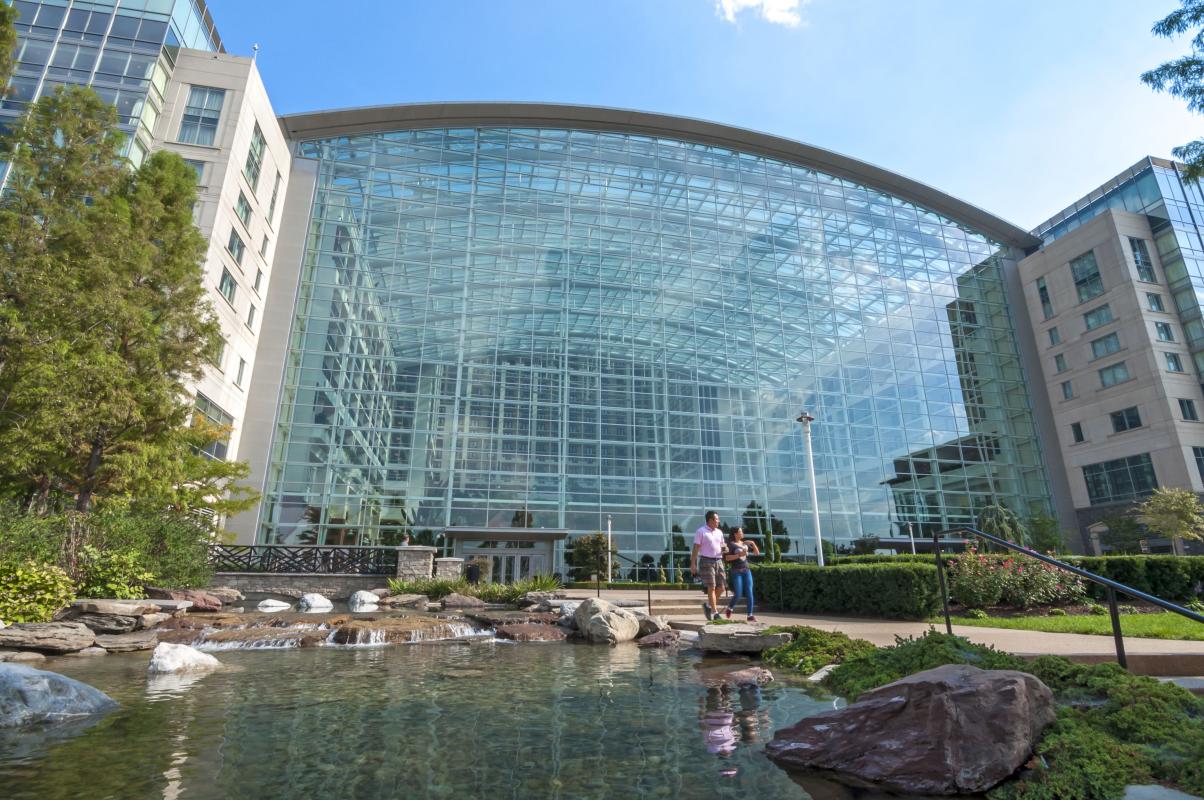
x=1112 y=586
x=602 y=565
x=307 y=559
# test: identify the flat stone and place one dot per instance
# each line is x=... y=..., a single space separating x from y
x=47 y=637
x=510 y=617
x=168 y=606
x=532 y=632
x=153 y=620
x=107 y=623
x=87 y=651
x=455 y=600
x=406 y=600
x=751 y=676
x=226 y=594
x=128 y=642
x=1156 y=793
x=21 y=656
x=742 y=637
x=201 y=601
x=29 y=696
x=127 y=608
x=669 y=638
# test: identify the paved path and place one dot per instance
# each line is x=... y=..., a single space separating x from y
x=883 y=631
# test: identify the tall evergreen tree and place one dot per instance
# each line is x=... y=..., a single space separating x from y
x=8 y=41
x=103 y=319
x=1184 y=77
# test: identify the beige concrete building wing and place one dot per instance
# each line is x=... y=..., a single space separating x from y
x=243 y=176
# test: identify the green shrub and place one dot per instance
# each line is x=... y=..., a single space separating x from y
x=812 y=649
x=975 y=580
x=976 y=613
x=901 y=558
x=33 y=592
x=1097 y=609
x=1169 y=577
x=113 y=573
x=489 y=592
x=903 y=591
x=980 y=579
x=1057 y=612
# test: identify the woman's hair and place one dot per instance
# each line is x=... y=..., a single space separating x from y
x=737 y=530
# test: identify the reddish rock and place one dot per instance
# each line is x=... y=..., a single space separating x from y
x=531 y=632
x=201 y=601
x=669 y=638
x=955 y=729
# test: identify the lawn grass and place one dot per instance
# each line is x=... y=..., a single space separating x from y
x=1151 y=626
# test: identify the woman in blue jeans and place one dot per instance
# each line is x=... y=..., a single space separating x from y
x=742 y=582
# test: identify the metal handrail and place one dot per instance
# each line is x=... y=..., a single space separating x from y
x=1112 y=586
x=633 y=562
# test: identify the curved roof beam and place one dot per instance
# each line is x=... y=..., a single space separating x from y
x=374 y=119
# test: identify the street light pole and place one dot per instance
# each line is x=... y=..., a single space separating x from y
x=912 y=538
x=608 y=549
x=807 y=419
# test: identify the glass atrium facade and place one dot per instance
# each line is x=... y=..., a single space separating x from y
x=544 y=328
x=124 y=49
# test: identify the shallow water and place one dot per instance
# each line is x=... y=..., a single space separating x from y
x=415 y=721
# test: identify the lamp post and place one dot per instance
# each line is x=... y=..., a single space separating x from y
x=912 y=538
x=608 y=548
x=807 y=419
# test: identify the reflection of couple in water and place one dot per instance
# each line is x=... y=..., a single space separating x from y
x=723 y=724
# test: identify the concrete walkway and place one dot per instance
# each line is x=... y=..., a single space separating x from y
x=1146 y=656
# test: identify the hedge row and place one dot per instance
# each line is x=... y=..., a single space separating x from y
x=906 y=590
x=1168 y=577
x=901 y=558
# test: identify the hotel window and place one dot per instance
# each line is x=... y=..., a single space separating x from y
x=255 y=158
x=251 y=318
x=1060 y=363
x=1141 y=257
x=1105 y=346
x=1067 y=390
x=1165 y=334
x=272 y=204
x=199 y=166
x=204 y=108
x=258 y=279
x=263 y=247
x=1187 y=408
x=1154 y=301
x=243 y=210
x=1086 y=277
x=1043 y=294
x=1076 y=431
x=1173 y=362
x=219 y=356
x=227 y=286
x=215 y=415
x=1126 y=419
x=236 y=247
x=1055 y=338
x=1098 y=316
x=1110 y=376
x=1198 y=452
x=242 y=368
x=1120 y=479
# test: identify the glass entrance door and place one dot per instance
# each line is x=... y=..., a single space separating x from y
x=509 y=568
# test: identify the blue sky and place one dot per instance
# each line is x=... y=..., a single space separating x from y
x=1019 y=107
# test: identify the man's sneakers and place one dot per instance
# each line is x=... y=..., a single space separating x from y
x=707 y=611
x=716 y=618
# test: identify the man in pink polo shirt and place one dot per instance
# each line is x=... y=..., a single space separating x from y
x=706 y=561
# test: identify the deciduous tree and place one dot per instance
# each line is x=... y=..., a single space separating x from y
x=1176 y=514
x=1184 y=77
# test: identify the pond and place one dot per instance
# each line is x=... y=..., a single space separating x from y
x=454 y=720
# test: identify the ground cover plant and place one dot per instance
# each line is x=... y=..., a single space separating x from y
x=510 y=593
x=1113 y=728
x=811 y=649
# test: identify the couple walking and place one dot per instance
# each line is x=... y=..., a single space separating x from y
x=707 y=560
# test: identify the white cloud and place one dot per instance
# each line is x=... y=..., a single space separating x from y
x=779 y=12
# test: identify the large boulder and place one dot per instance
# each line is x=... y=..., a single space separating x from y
x=107 y=623
x=29 y=696
x=741 y=637
x=47 y=637
x=600 y=621
x=153 y=620
x=531 y=632
x=669 y=638
x=228 y=595
x=314 y=602
x=539 y=598
x=180 y=658
x=201 y=601
x=21 y=656
x=363 y=601
x=455 y=600
x=273 y=605
x=650 y=624
x=955 y=729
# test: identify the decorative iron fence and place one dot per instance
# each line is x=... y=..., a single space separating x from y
x=305 y=559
